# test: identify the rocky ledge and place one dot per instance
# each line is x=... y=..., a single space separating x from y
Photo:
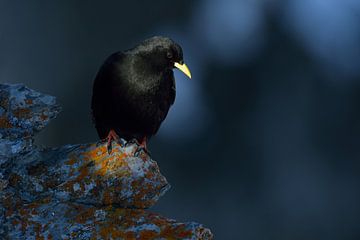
x=75 y=191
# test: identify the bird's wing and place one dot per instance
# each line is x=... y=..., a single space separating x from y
x=101 y=103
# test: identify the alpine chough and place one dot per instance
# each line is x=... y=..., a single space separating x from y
x=134 y=89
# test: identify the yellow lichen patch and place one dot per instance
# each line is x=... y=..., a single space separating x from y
x=149 y=175
x=112 y=164
x=148 y=234
x=22 y=113
x=79 y=180
x=108 y=198
x=130 y=235
x=115 y=213
x=15 y=222
x=25 y=215
x=95 y=153
x=104 y=162
x=141 y=189
x=184 y=234
x=22 y=211
x=130 y=218
x=83 y=172
x=110 y=229
x=38 y=228
x=144 y=156
x=85 y=216
x=180 y=232
x=43 y=117
x=71 y=161
x=5 y=123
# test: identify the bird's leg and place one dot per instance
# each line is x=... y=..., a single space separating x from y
x=110 y=137
x=142 y=146
x=143 y=143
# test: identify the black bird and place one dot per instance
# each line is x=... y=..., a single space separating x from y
x=134 y=90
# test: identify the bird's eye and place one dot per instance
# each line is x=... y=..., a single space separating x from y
x=169 y=55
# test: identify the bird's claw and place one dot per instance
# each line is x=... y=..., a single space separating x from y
x=140 y=149
x=122 y=142
x=111 y=136
x=109 y=148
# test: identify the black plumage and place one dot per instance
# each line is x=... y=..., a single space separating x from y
x=134 y=89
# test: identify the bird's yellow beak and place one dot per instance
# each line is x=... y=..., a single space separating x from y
x=183 y=68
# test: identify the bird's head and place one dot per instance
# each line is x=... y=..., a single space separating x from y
x=162 y=53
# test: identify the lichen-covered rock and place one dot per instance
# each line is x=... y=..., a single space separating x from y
x=86 y=173
x=56 y=220
x=75 y=191
x=23 y=111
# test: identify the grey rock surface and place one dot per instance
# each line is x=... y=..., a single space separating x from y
x=75 y=191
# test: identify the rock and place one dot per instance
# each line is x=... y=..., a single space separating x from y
x=88 y=174
x=23 y=112
x=48 y=219
x=75 y=191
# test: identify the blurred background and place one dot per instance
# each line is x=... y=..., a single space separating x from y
x=262 y=143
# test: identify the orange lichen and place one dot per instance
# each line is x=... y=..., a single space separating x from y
x=43 y=117
x=71 y=161
x=179 y=231
x=83 y=172
x=140 y=189
x=184 y=234
x=116 y=225
x=22 y=113
x=102 y=160
x=85 y=215
x=95 y=154
x=130 y=235
x=107 y=198
x=113 y=231
x=148 y=234
x=38 y=228
x=5 y=123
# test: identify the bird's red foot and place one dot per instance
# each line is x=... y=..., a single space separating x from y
x=142 y=146
x=143 y=143
x=110 y=137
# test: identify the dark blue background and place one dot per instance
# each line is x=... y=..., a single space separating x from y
x=262 y=143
